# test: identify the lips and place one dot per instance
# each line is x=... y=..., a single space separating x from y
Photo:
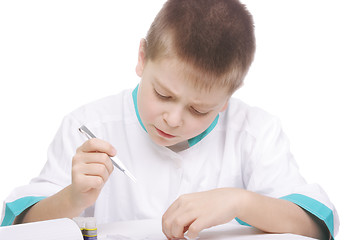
x=164 y=134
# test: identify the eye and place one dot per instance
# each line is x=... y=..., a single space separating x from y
x=196 y=112
x=160 y=95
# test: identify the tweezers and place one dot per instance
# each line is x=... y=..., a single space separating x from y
x=115 y=160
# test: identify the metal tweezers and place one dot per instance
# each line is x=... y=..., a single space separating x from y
x=115 y=160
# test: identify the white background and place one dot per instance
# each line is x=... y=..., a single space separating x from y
x=58 y=55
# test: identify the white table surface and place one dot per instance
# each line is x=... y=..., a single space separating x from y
x=151 y=230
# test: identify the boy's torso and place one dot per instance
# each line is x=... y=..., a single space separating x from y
x=162 y=174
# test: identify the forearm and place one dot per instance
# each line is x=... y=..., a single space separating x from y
x=277 y=215
x=57 y=206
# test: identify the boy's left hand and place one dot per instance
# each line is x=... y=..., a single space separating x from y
x=197 y=211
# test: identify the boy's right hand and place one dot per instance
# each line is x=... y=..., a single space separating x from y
x=91 y=168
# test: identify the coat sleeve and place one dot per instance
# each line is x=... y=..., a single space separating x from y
x=272 y=171
x=55 y=175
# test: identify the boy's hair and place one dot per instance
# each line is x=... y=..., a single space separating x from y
x=214 y=37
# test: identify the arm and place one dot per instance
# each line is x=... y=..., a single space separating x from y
x=91 y=167
x=198 y=211
x=55 y=206
x=279 y=216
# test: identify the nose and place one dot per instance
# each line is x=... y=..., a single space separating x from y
x=173 y=117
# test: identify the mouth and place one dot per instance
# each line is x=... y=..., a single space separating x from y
x=164 y=134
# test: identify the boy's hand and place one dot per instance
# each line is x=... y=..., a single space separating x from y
x=91 y=168
x=197 y=211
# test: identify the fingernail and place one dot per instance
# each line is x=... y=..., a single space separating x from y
x=113 y=151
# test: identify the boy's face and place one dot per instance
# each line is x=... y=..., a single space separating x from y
x=171 y=109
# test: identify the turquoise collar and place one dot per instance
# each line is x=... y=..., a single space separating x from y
x=191 y=141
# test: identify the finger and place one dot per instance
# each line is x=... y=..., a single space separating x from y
x=88 y=182
x=180 y=225
x=167 y=219
x=95 y=169
x=97 y=145
x=95 y=157
x=101 y=158
x=170 y=210
x=196 y=227
x=177 y=218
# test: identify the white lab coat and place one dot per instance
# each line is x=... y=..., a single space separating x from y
x=246 y=149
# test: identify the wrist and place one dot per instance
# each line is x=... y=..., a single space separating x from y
x=72 y=202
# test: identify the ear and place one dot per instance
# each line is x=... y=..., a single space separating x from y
x=225 y=106
x=141 y=58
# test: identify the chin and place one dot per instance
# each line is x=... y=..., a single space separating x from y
x=163 y=142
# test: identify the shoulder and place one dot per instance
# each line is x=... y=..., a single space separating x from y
x=241 y=117
x=110 y=108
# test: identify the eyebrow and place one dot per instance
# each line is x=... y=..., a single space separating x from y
x=204 y=105
x=163 y=87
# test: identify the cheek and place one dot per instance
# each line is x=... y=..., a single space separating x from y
x=148 y=109
x=195 y=126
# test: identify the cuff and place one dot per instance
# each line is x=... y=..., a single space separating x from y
x=242 y=222
x=314 y=207
x=311 y=205
x=13 y=209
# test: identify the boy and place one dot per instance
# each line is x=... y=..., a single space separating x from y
x=201 y=158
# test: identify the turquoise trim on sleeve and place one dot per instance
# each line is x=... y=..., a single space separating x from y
x=314 y=207
x=13 y=209
x=311 y=205
x=191 y=141
x=242 y=222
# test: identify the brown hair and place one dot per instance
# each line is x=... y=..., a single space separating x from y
x=215 y=37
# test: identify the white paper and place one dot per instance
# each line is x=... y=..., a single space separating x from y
x=151 y=230
x=57 y=229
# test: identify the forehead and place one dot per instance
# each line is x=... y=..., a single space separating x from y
x=200 y=80
x=180 y=79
